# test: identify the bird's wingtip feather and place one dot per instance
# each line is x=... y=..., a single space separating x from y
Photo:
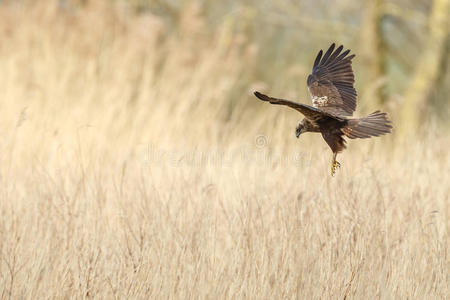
x=260 y=95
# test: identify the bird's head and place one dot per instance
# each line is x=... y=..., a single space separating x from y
x=299 y=130
x=303 y=126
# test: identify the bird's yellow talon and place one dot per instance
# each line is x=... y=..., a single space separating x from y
x=334 y=166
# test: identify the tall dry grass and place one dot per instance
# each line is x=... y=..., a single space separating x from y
x=135 y=163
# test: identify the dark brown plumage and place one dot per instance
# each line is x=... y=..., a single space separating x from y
x=334 y=101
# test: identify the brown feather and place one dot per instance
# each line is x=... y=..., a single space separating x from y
x=331 y=82
x=334 y=140
x=309 y=112
x=375 y=124
x=318 y=57
x=327 y=54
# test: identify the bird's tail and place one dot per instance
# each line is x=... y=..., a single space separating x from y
x=374 y=124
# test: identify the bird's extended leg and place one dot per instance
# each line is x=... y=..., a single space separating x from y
x=334 y=164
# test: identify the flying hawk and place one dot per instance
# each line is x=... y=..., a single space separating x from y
x=333 y=103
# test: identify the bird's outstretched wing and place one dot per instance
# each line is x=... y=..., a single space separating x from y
x=331 y=82
x=311 y=113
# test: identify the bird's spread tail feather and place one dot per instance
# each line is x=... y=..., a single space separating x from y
x=374 y=124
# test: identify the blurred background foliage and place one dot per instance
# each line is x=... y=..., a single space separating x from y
x=139 y=62
x=398 y=43
x=392 y=39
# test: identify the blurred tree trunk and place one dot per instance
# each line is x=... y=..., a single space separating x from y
x=428 y=70
x=373 y=51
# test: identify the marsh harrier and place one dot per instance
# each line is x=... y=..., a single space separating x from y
x=333 y=103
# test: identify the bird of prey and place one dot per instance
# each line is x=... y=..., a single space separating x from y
x=333 y=103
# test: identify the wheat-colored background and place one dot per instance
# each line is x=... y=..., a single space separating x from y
x=137 y=164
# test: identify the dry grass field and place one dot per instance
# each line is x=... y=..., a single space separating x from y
x=136 y=164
